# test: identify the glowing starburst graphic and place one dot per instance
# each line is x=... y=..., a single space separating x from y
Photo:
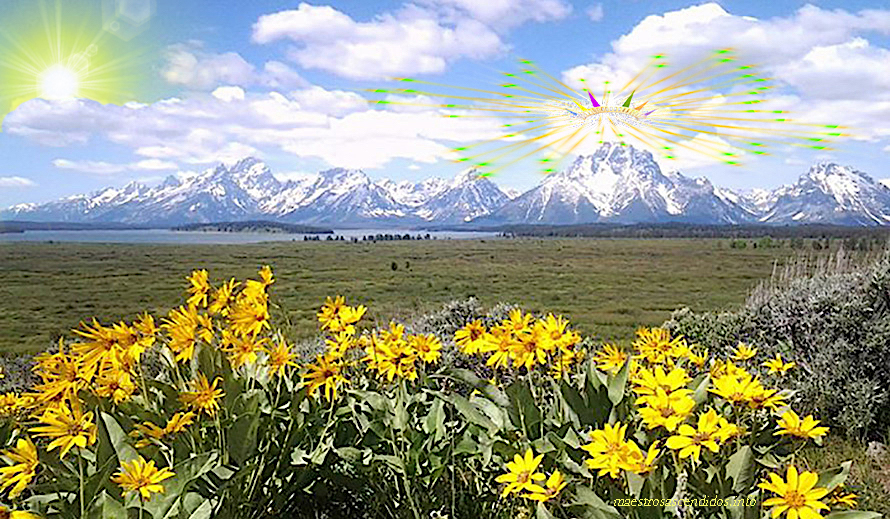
x=58 y=54
x=715 y=108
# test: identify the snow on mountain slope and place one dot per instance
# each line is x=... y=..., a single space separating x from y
x=615 y=184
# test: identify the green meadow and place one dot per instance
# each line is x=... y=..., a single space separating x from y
x=606 y=287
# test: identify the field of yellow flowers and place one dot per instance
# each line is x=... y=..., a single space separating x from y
x=209 y=412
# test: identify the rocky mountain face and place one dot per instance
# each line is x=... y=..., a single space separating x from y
x=617 y=184
x=248 y=190
x=621 y=184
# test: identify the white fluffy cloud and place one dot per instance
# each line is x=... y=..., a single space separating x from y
x=338 y=127
x=191 y=66
x=501 y=13
x=411 y=41
x=14 y=182
x=822 y=62
x=107 y=168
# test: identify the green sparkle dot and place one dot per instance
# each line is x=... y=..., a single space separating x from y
x=508 y=125
x=508 y=85
x=407 y=79
x=831 y=126
x=818 y=147
x=453 y=116
x=382 y=102
x=463 y=159
x=755 y=144
x=409 y=91
x=834 y=134
x=482 y=164
x=666 y=156
x=383 y=90
x=815 y=139
x=460 y=149
x=780 y=120
x=450 y=106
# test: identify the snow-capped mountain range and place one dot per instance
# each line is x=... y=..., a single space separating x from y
x=248 y=190
x=617 y=183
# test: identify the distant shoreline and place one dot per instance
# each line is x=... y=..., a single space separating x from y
x=252 y=226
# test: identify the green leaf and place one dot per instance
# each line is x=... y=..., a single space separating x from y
x=834 y=477
x=242 y=437
x=617 y=382
x=483 y=386
x=434 y=424
x=104 y=507
x=541 y=512
x=740 y=468
x=162 y=506
x=523 y=410
x=594 y=505
x=118 y=439
x=470 y=411
x=700 y=385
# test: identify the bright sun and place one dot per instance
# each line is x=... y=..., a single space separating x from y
x=59 y=82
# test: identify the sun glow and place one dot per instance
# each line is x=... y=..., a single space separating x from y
x=48 y=54
x=59 y=82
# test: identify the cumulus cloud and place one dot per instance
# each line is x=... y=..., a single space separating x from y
x=411 y=41
x=15 y=182
x=501 y=13
x=190 y=65
x=337 y=127
x=107 y=168
x=821 y=61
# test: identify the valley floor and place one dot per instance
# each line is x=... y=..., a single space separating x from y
x=606 y=287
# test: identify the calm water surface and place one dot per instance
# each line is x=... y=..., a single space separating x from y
x=198 y=237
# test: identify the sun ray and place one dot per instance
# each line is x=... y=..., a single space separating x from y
x=705 y=108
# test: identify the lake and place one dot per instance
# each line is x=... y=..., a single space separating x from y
x=215 y=238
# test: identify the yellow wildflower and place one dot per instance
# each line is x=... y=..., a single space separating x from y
x=223 y=298
x=198 y=288
x=743 y=352
x=777 y=365
x=498 y=343
x=609 y=452
x=790 y=423
x=689 y=440
x=326 y=372
x=67 y=428
x=142 y=476
x=280 y=358
x=797 y=495
x=610 y=358
x=554 y=485
x=664 y=409
x=427 y=347
x=471 y=338
x=22 y=468
x=532 y=347
x=656 y=346
x=522 y=473
x=204 y=396
x=242 y=350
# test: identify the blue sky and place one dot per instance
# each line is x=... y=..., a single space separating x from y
x=217 y=80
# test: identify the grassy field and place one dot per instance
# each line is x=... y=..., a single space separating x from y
x=606 y=287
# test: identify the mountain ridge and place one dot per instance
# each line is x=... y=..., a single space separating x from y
x=616 y=184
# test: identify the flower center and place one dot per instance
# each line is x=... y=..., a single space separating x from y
x=795 y=499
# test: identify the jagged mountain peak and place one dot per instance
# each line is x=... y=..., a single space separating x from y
x=616 y=183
